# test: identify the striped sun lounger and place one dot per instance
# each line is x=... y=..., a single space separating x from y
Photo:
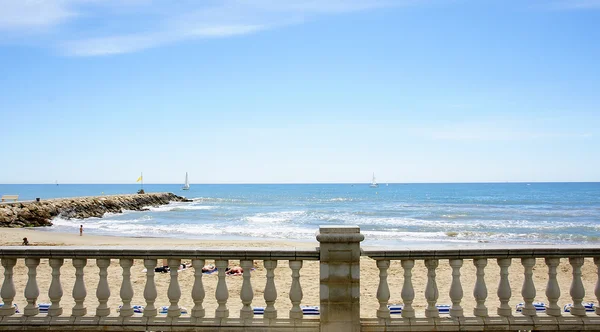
x=589 y=307
x=43 y=307
x=165 y=309
x=539 y=306
x=396 y=309
x=306 y=310
x=137 y=309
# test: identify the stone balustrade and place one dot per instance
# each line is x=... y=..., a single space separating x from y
x=339 y=258
x=484 y=316
x=104 y=317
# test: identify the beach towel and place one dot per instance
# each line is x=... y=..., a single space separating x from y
x=589 y=307
x=14 y=305
x=539 y=306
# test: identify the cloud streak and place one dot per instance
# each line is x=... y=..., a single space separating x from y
x=96 y=27
x=33 y=14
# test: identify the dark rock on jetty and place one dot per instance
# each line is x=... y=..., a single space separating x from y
x=34 y=214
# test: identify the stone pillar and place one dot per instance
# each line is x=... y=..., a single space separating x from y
x=340 y=278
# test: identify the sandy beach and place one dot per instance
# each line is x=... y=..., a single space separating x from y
x=309 y=276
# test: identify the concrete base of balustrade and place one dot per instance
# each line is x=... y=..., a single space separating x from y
x=16 y=323
x=522 y=323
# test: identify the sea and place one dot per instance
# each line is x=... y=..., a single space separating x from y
x=392 y=215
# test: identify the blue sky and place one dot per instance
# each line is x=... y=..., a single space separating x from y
x=269 y=91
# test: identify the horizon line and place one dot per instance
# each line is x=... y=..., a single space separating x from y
x=294 y=183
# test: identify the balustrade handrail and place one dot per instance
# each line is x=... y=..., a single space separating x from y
x=155 y=253
x=470 y=253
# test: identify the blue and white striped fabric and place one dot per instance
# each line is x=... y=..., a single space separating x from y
x=43 y=307
x=137 y=309
x=14 y=305
x=443 y=309
x=589 y=307
x=310 y=309
x=306 y=310
x=165 y=309
x=539 y=306
x=396 y=309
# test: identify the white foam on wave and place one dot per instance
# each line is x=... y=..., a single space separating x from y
x=270 y=217
x=215 y=199
x=98 y=223
x=167 y=208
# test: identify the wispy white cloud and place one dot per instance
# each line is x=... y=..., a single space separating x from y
x=101 y=27
x=27 y=14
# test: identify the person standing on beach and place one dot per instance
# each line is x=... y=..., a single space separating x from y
x=80 y=230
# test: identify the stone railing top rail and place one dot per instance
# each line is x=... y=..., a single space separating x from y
x=487 y=252
x=155 y=253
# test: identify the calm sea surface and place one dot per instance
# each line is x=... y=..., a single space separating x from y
x=391 y=215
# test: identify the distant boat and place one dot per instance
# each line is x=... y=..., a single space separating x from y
x=374 y=183
x=57 y=182
x=186 y=185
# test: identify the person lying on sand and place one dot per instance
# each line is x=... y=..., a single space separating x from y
x=208 y=268
x=165 y=268
x=234 y=271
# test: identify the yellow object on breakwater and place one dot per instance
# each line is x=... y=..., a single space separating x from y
x=34 y=213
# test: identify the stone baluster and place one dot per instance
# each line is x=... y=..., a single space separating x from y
x=55 y=292
x=408 y=292
x=456 y=290
x=270 y=290
x=198 y=289
x=296 y=290
x=480 y=290
x=126 y=292
x=8 y=291
x=103 y=290
x=577 y=291
x=247 y=294
x=552 y=288
x=597 y=289
x=150 y=293
x=31 y=290
x=431 y=290
x=383 y=290
x=528 y=290
x=504 y=292
x=221 y=293
x=79 y=292
x=174 y=292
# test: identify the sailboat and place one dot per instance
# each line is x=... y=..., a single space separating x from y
x=186 y=185
x=374 y=183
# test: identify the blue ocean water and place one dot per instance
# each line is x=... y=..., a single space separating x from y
x=391 y=215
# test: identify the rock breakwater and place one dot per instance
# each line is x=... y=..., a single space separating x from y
x=34 y=214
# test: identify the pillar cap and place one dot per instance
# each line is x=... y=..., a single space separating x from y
x=339 y=234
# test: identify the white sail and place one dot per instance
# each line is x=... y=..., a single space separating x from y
x=374 y=183
x=186 y=185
